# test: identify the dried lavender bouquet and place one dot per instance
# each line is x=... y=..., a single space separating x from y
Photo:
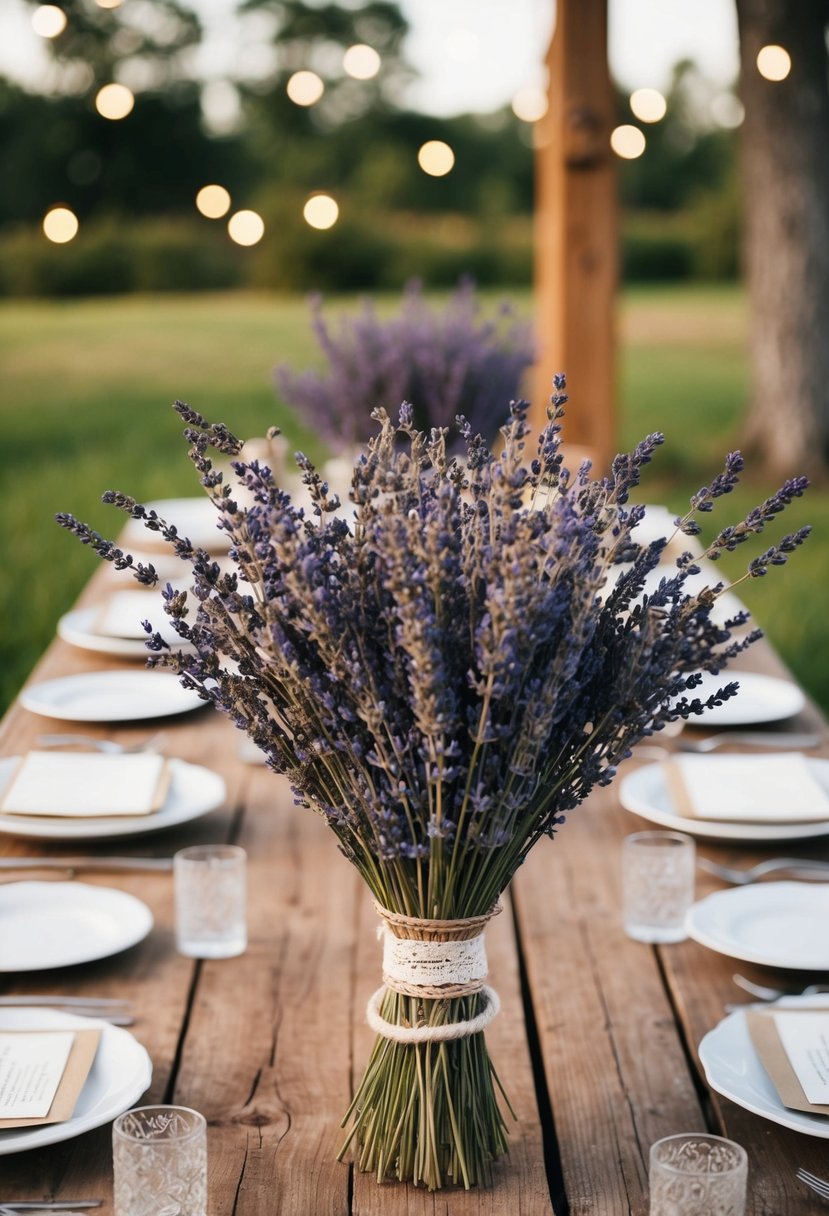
x=442 y=681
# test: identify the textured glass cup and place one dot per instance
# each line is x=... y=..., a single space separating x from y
x=211 y=901
x=657 y=885
x=159 y=1158
x=698 y=1175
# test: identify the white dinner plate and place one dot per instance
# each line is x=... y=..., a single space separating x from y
x=78 y=628
x=110 y=696
x=193 y=792
x=60 y=924
x=645 y=792
x=733 y=1069
x=195 y=518
x=775 y=924
x=760 y=699
x=121 y=1072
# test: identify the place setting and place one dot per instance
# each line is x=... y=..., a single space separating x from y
x=96 y=795
x=115 y=627
x=770 y=1056
x=769 y=790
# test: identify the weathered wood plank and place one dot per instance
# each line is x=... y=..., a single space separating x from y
x=267 y=1056
x=614 y=1063
x=519 y=1183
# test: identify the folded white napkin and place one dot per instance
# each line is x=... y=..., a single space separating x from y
x=82 y=785
x=778 y=788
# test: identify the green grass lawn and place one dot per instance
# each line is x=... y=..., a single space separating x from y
x=86 y=399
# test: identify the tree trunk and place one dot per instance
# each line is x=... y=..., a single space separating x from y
x=785 y=163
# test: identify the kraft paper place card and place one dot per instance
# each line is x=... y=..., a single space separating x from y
x=779 y=788
x=87 y=785
x=42 y=1073
x=793 y=1046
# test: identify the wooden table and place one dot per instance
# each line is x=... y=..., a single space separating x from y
x=596 y=1043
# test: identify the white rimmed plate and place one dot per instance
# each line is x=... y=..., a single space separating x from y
x=193 y=792
x=775 y=924
x=110 y=696
x=733 y=1069
x=61 y=924
x=78 y=628
x=646 y=793
x=121 y=1072
x=195 y=518
x=760 y=699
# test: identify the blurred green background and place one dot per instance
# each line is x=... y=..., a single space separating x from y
x=87 y=408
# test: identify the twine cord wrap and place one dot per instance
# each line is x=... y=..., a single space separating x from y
x=432 y=1034
x=433 y=960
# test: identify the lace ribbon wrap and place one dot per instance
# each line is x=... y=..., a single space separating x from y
x=433 y=960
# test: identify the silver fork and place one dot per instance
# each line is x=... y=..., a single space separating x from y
x=764 y=993
x=796 y=865
x=109 y=746
x=817 y=1184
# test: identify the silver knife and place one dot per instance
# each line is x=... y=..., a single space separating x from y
x=164 y=864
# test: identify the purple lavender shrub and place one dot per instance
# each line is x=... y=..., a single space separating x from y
x=445 y=362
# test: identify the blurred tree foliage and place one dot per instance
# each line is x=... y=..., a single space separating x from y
x=359 y=141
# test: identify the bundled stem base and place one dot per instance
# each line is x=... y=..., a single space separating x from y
x=428 y=1113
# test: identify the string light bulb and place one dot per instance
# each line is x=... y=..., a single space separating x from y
x=246 y=228
x=648 y=105
x=48 y=21
x=321 y=211
x=530 y=104
x=774 y=62
x=305 y=88
x=361 y=62
x=436 y=158
x=627 y=142
x=60 y=225
x=213 y=201
x=114 y=101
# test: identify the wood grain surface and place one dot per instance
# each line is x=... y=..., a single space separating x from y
x=596 y=1044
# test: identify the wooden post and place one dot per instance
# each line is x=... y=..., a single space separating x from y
x=576 y=231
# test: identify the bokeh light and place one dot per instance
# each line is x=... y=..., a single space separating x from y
x=114 y=101
x=648 y=105
x=305 y=88
x=530 y=104
x=774 y=62
x=109 y=3
x=627 y=142
x=246 y=227
x=213 y=201
x=727 y=111
x=436 y=158
x=60 y=225
x=321 y=211
x=48 y=21
x=361 y=61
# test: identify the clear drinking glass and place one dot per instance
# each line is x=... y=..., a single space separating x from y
x=657 y=885
x=698 y=1175
x=159 y=1158
x=211 y=900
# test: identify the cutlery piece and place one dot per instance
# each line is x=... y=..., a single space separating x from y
x=153 y=743
x=765 y=993
x=164 y=864
x=755 y=738
x=49 y=1205
x=88 y=1002
x=795 y=865
x=811 y=1180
